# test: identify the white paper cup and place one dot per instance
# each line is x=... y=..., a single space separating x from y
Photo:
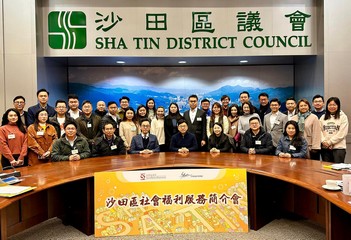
x=346 y=184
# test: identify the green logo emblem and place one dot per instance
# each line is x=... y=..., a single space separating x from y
x=67 y=30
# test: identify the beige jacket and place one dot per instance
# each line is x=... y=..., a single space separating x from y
x=312 y=131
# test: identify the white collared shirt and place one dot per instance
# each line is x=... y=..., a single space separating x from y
x=290 y=115
x=114 y=117
x=75 y=114
x=192 y=114
x=273 y=118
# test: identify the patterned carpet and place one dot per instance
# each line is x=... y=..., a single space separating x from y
x=278 y=229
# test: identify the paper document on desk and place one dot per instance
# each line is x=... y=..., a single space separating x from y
x=339 y=166
x=11 y=191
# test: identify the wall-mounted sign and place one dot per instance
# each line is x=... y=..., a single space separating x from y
x=170 y=201
x=124 y=29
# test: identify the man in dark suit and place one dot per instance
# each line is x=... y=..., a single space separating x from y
x=145 y=142
x=89 y=124
x=112 y=116
x=43 y=98
x=264 y=109
x=291 y=108
x=196 y=120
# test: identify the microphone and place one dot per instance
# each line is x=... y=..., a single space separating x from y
x=15 y=173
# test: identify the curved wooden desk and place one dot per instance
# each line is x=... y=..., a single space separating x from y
x=275 y=185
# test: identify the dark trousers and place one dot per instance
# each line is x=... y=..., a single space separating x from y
x=315 y=154
x=333 y=155
x=6 y=162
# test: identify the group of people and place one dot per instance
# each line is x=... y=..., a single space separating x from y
x=65 y=132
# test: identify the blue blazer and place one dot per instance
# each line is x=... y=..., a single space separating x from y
x=137 y=144
x=33 y=110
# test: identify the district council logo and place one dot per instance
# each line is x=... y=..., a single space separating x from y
x=67 y=30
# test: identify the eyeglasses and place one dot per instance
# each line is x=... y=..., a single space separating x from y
x=18 y=103
x=61 y=107
x=145 y=126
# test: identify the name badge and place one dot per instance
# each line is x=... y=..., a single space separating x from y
x=113 y=147
x=133 y=128
x=233 y=127
x=291 y=147
x=258 y=142
x=277 y=122
x=40 y=133
x=11 y=136
x=89 y=125
x=199 y=119
x=74 y=151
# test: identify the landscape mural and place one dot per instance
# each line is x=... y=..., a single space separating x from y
x=175 y=84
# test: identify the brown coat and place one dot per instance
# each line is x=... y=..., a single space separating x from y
x=39 y=144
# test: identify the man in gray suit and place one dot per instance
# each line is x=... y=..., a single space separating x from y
x=196 y=120
x=274 y=122
x=144 y=143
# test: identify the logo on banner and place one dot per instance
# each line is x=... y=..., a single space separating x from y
x=142 y=176
x=67 y=30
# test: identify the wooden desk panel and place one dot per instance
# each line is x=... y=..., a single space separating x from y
x=288 y=179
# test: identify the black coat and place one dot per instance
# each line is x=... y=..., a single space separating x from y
x=221 y=143
x=262 y=142
x=102 y=147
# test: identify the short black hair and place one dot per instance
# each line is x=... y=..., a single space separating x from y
x=86 y=101
x=42 y=90
x=144 y=120
x=205 y=100
x=225 y=96
x=193 y=96
x=72 y=96
x=104 y=123
x=19 y=97
x=182 y=120
x=245 y=92
x=263 y=95
x=275 y=100
x=254 y=118
x=291 y=98
x=70 y=122
x=124 y=97
x=60 y=101
x=317 y=96
x=111 y=102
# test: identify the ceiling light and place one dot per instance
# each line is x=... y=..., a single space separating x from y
x=120 y=62
x=181 y=62
x=244 y=61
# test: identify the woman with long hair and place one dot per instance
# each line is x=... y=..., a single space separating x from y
x=151 y=108
x=158 y=127
x=309 y=125
x=334 y=124
x=41 y=137
x=233 y=119
x=248 y=112
x=218 y=141
x=13 y=140
x=171 y=121
x=141 y=113
x=217 y=116
x=129 y=127
x=292 y=143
